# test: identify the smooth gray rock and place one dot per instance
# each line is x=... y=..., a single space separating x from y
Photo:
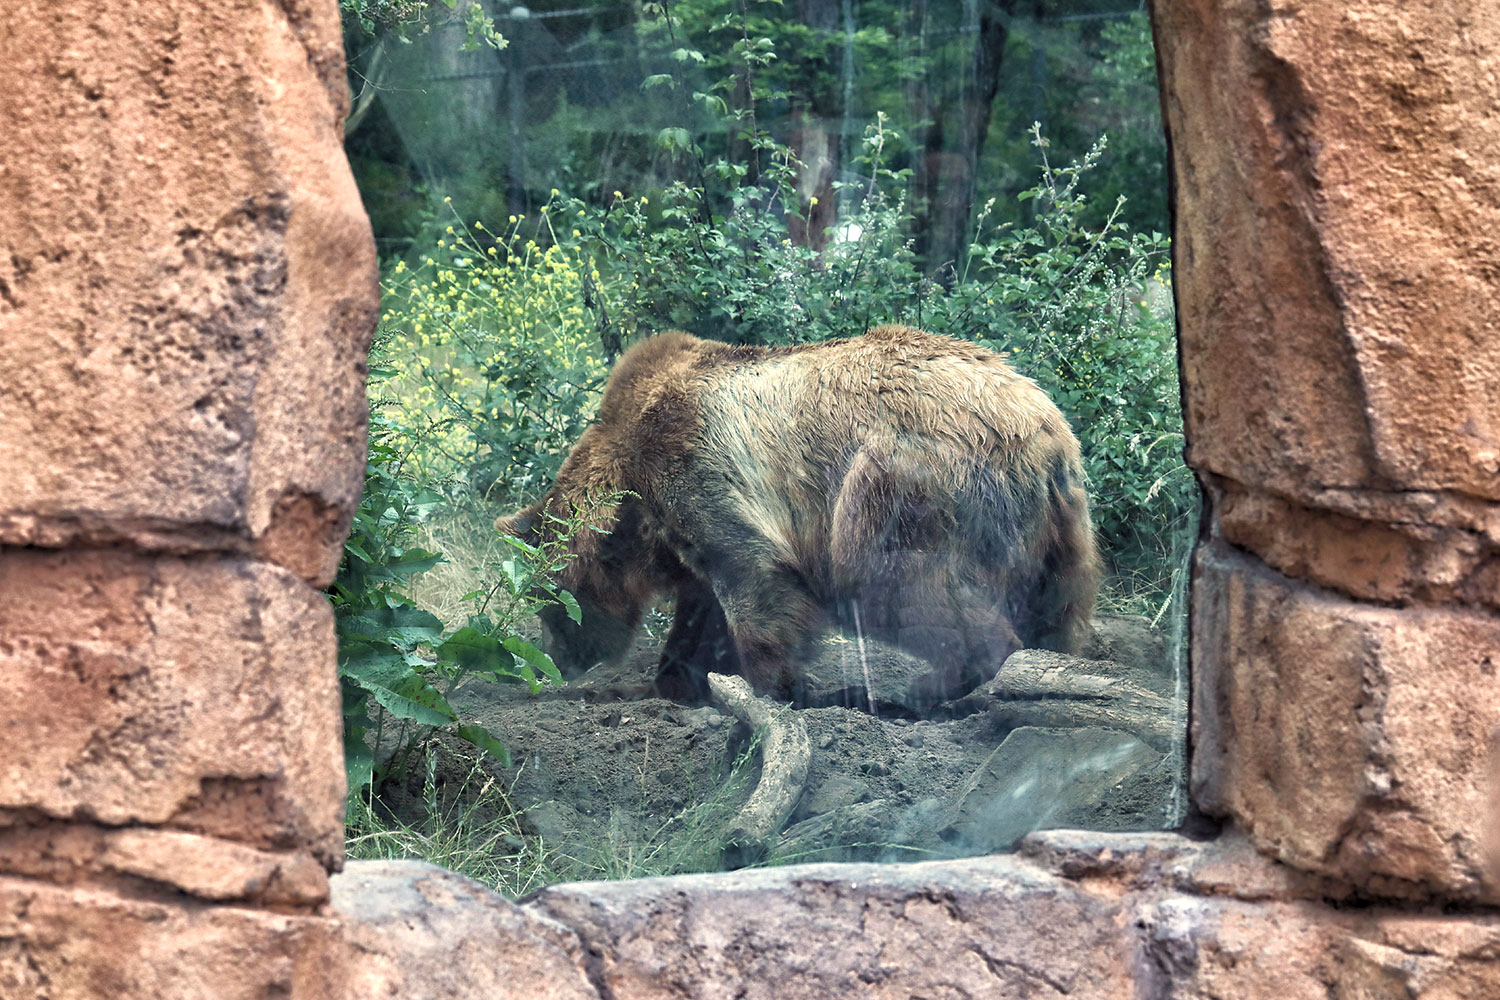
x=1051 y=778
x=1037 y=687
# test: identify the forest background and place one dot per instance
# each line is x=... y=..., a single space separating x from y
x=550 y=183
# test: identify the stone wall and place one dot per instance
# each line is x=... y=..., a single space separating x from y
x=1337 y=205
x=186 y=289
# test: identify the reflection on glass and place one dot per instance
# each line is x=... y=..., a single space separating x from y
x=884 y=557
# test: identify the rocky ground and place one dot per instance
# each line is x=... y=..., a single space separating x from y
x=622 y=784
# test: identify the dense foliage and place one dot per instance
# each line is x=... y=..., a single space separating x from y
x=591 y=99
x=504 y=344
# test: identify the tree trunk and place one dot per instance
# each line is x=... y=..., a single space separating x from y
x=815 y=137
x=952 y=144
x=972 y=127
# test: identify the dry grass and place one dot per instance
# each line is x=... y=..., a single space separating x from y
x=473 y=830
x=471 y=552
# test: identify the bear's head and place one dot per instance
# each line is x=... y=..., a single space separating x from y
x=606 y=566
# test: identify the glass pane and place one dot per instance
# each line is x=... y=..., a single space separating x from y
x=884 y=557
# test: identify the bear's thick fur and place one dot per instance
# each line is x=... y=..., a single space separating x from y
x=908 y=485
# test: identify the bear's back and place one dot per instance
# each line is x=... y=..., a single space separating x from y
x=894 y=384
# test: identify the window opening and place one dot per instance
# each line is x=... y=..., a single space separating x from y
x=877 y=545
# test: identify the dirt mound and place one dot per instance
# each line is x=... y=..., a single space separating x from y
x=623 y=783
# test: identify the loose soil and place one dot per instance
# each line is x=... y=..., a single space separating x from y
x=619 y=783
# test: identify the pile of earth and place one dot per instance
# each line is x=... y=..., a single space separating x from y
x=619 y=782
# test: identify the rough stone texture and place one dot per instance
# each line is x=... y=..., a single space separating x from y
x=1037 y=687
x=196 y=693
x=187 y=287
x=139 y=859
x=1354 y=740
x=1196 y=949
x=59 y=943
x=1334 y=239
x=1081 y=915
x=417 y=932
x=990 y=927
x=187 y=281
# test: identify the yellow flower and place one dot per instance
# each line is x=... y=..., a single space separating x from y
x=644 y=200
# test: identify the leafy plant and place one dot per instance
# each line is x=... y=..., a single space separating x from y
x=396 y=655
x=405 y=18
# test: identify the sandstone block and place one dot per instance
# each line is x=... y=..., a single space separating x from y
x=187 y=281
x=1370 y=549
x=1422 y=956
x=146 y=859
x=1335 y=290
x=1198 y=949
x=1192 y=948
x=195 y=693
x=421 y=933
x=977 y=928
x=60 y=943
x=1350 y=740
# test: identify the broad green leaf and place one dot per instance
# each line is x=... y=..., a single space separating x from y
x=537 y=659
x=473 y=651
x=359 y=765
x=398 y=689
x=674 y=139
x=409 y=625
x=408 y=563
x=515 y=574
x=481 y=738
x=570 y=604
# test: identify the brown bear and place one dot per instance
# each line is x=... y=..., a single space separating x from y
x=908 y=485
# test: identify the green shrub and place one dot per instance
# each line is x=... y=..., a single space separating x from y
x=400 y=657
x=502 y=342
